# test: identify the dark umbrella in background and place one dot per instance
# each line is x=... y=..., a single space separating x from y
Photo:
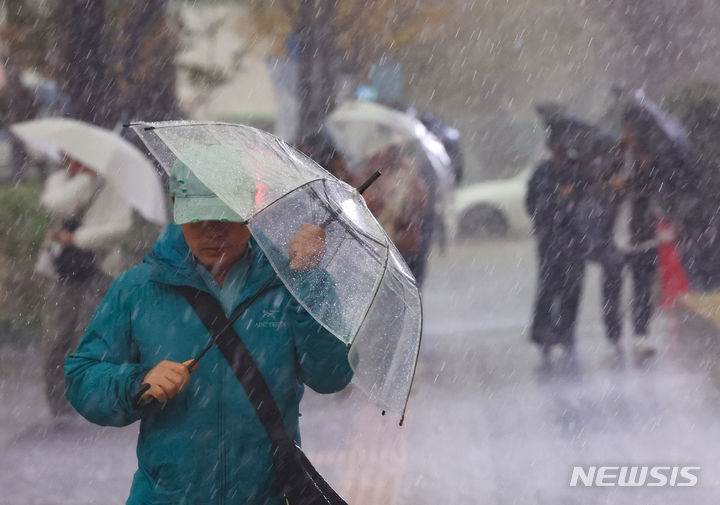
x=662 y=137
x=594 y=146
x=677 y=184
x=586 y=139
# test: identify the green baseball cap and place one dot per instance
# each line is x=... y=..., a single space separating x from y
x=196 y=202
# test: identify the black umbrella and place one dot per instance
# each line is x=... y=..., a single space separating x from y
x=660 y=132
x=591 y=144
x=675 y=183
x=662 y=137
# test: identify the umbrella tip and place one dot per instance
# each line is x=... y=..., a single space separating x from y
x=361 y=189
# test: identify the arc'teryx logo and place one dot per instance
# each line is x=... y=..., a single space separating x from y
x=269 y=319
x=635 y=476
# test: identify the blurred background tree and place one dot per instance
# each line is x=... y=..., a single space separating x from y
x=110 y=61
x=334 y=38
x=102 y=62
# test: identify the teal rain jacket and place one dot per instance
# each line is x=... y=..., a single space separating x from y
x=206 y=445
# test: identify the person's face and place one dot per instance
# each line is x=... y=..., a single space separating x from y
x=635 y=146
x=73 y=167
x=630 y=137
x=216 y=244
x=558 y=155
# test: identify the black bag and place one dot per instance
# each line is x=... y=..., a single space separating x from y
x=299 y=482
x=74 y=264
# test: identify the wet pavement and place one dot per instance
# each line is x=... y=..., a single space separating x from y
x=484 y=423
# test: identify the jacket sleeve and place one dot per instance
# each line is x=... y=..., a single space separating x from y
x=534 y=188
x=322 y=357
x=108 y=232
x=103 y=374
x=63 y=195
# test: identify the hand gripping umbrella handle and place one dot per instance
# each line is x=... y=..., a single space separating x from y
x=138 y=401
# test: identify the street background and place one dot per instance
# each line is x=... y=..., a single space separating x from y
x=484 y=425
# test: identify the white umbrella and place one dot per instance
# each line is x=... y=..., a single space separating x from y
x=360 y=129
x=363 y=128
x=119 y=162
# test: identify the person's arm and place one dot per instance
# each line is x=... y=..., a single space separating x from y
x=407 y=232
x=322 y=357
x=102 y=235
x=103 y=374
x=63 y=195
x=534 y=189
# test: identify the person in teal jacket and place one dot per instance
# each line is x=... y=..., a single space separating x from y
x=201 y=442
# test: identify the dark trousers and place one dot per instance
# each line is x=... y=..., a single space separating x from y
x=612 y=261
x=644 y=270
x=69 y=306
x=642 y=264
x=559 y=286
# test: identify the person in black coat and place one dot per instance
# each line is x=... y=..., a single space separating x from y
x=643 y=190
x=551 y=203
x=597 y=210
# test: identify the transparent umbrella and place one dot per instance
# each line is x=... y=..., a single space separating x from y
x=375 y=305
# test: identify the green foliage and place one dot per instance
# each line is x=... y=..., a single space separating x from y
x=22 y=221
x=23 y=224
x=698 y=107
x=201 y=76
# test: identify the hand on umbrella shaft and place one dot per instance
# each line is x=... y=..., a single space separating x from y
x=167 y=379
x=307 y=248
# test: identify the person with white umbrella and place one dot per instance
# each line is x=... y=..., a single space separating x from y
x=89 y=204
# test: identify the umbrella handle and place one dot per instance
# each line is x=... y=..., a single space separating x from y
x=138 y=401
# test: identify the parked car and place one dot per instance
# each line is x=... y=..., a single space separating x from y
x=491 y=209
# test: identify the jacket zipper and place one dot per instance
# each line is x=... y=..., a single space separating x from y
x=223 y=451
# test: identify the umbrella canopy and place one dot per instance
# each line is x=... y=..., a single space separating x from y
x=365 y=295
x=361 y=129
x=115 y=159
x=663 y=137
x=662 y=134
x=587 y=140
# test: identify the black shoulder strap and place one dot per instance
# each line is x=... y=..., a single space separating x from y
x=240 y=360
x=299 y=481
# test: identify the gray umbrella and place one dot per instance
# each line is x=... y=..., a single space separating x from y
x=659 y=130
x=592 y=144
x=664 y=138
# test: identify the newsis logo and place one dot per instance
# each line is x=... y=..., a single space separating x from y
x=635 y=476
